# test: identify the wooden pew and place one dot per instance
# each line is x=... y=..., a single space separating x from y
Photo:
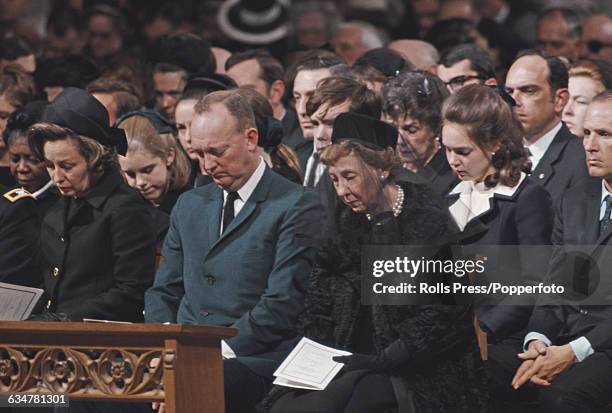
x=109 y=361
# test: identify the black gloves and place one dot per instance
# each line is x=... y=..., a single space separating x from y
x=391 y=357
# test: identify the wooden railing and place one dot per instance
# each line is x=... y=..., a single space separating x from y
x=107 y=361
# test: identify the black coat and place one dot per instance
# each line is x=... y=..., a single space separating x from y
x=46 y=200
x=18 y=239
x=562 y=166
x=577 y=224
x=445 y=367
x=294 y=138
x=439 y=174
x=99 y=253
x=171 y=197
x=525 y=218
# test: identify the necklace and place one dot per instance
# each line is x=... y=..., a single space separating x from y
x=397 y=206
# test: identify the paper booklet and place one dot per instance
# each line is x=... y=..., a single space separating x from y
x=17 y=302
x=309 y=366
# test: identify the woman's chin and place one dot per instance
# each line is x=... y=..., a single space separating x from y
x=357 y=207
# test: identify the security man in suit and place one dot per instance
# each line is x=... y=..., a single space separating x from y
x=566 y=361
x=538 y=84
x=19 y=238
x=238 y=251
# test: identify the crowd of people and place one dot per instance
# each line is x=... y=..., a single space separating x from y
x=227 y=162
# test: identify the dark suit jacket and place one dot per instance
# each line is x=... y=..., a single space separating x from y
x=562 y=166
x=19 y=241
x=577 y=223
x=252 y=277
x=294 y=138
x=99 y=253
x=524 y=218
x=439 y=174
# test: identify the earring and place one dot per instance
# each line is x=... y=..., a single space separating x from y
x=382 y=177
x=492 y=154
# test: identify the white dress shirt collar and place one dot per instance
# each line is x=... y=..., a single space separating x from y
x=539 y=147
x=604 y=193
x=249 y=186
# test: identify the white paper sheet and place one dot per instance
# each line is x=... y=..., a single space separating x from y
x=17 y=302
x=309 y=366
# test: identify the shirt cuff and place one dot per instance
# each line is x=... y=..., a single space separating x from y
x=226 y=351
x=535 y=336
x=582 y=348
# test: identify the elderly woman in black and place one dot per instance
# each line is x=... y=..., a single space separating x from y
x=427 y=350
x=98 y=240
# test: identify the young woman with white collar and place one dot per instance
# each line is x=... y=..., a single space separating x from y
x=496 y=203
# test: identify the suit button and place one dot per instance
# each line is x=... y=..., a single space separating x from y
x=204 y=313
x=210 y=279
x=55 y=271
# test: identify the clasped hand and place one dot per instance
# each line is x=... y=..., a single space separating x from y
x=542 y=364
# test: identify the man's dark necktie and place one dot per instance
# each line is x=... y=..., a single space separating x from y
x=228 y=209
x=603 y=224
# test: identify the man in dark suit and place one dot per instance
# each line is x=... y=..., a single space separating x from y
x=307 y=74
x=567 y=352
x=19 y=235
x=237 y=252
x=538 y=84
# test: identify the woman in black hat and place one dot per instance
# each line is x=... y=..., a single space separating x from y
x=98 y=240
x=429 y=350
x=155 y=165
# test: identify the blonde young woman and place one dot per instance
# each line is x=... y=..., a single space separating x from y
x=154 y=164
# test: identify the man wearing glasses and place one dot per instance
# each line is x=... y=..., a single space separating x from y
x=597 y=37
x=464 y=65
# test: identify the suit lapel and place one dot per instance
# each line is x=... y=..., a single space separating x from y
x=545 y=170
x=214 y=205
x=259 y=195
x=590 y=214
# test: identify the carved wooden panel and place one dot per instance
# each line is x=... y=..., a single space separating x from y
x=83 y=371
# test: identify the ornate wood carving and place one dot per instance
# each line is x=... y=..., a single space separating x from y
x=89 y=371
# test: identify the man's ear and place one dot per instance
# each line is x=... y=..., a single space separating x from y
x=560 y=100
x=252 y=138
x=491 y=82
x=277 y=91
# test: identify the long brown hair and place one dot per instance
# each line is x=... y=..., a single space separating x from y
x=492 y=126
